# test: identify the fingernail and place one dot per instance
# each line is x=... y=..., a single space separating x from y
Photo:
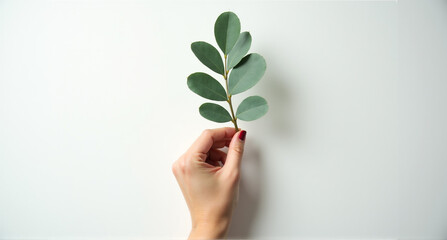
x=242 y=135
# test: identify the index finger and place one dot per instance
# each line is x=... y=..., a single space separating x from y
x=208 y=137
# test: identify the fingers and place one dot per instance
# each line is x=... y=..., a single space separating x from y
x=217 y=155
x=235 y=152
x=209 y=137
x=223 y=143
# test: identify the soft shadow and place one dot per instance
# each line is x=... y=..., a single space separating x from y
x=250 y=192
x=279 y=125
x=280 y=107
x=280 y=89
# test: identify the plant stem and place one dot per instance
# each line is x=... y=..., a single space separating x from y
x=234 y=120
x=232 y=114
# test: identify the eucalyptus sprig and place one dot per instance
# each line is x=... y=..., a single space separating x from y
x=239 y=71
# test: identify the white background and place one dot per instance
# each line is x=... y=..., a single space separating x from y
x=94 y=108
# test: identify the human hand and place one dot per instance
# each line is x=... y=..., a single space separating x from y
x=210 y=190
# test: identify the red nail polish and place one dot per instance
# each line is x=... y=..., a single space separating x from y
x=242 y=135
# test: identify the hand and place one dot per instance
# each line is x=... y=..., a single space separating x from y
x=210 y=189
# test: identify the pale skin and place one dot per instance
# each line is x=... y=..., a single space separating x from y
x=210 y=189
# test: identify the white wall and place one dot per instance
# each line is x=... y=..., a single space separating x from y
x=94 y=108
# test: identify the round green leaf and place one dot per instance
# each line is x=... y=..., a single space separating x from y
x=246 y=74
x=209 y=56
x=252 y=108
x=239 y=50
x=214 y=112
x=226 y=30
x=206 y=86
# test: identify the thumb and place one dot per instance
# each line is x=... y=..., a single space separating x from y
x=235 y=151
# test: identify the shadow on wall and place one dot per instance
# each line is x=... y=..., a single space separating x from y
x=250 y=193
x=277 y=91
x=278 y=125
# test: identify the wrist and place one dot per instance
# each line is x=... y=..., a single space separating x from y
x=209 y=230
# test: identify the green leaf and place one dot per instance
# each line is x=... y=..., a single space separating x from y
x=208 y=55
x=252 y=108
x=246 y=74
x=239 y=50
x=226 y=30
x=206 y=86
x=214 y=112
